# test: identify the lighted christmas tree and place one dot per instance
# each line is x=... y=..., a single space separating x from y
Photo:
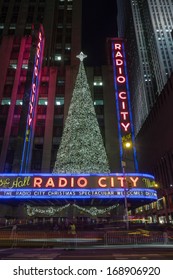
x=81 y=149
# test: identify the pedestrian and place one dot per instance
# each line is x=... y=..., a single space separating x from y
x=73 y=229
x=72 y=233
x=165 y=237
x=13 y=231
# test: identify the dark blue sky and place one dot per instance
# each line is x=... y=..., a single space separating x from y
x=99 y=22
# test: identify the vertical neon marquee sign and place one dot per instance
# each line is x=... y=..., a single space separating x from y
x=29 y=135
x=122 y=95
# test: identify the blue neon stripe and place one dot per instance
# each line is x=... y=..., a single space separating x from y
x=76 y=197
x=78 y=189
x=76 y=175
x=37 y=81
x=117 y=104
x=130 y=109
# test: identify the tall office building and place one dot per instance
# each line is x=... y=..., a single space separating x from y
x=61 y=22
x=147 y=27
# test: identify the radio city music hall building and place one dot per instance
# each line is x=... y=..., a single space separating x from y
x=35 y=98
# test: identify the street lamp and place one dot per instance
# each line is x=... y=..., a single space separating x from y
x=126 y=145
x=125 y=196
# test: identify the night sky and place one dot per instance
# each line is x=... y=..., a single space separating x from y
x=99 y=22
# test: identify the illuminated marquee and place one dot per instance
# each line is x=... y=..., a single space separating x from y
x=117 y=180
x=125 y=127
x=77 y=186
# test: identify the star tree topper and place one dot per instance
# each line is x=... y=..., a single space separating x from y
x=81 y=56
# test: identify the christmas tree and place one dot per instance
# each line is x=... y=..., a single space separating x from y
x=81 y=149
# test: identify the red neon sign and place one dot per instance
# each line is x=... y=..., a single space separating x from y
x=35 y=77
x=83 y=182
x=121 y=82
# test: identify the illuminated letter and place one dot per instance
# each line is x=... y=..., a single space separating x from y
x=36 y=63
x=134 y=181
x=33 y=87
x=38 y=45
x=121 y=95
x=125 y=114
x=62 y=182
x=32 y=98
x=121 y=179
x=123 y=105
x=50 y=183
x=112 y=182
x=100 y=184
x=36 y=71
x=117 y=46
x=118 y=54
x=29 y=120
x=119 y=62
x=121 y=79
x=31 y=108
x=79 y=182
x=120 y=70
x=125 y=126
x=38 y=52
x=40 y=36
x=37 y=182
x=72 y=182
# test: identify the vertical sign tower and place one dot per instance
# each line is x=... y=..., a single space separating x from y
x=123 y=106
x=23 y=153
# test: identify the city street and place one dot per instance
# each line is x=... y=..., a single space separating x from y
x=145 y=252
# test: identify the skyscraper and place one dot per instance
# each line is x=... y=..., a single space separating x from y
x=147 y=26
x=61 y=22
